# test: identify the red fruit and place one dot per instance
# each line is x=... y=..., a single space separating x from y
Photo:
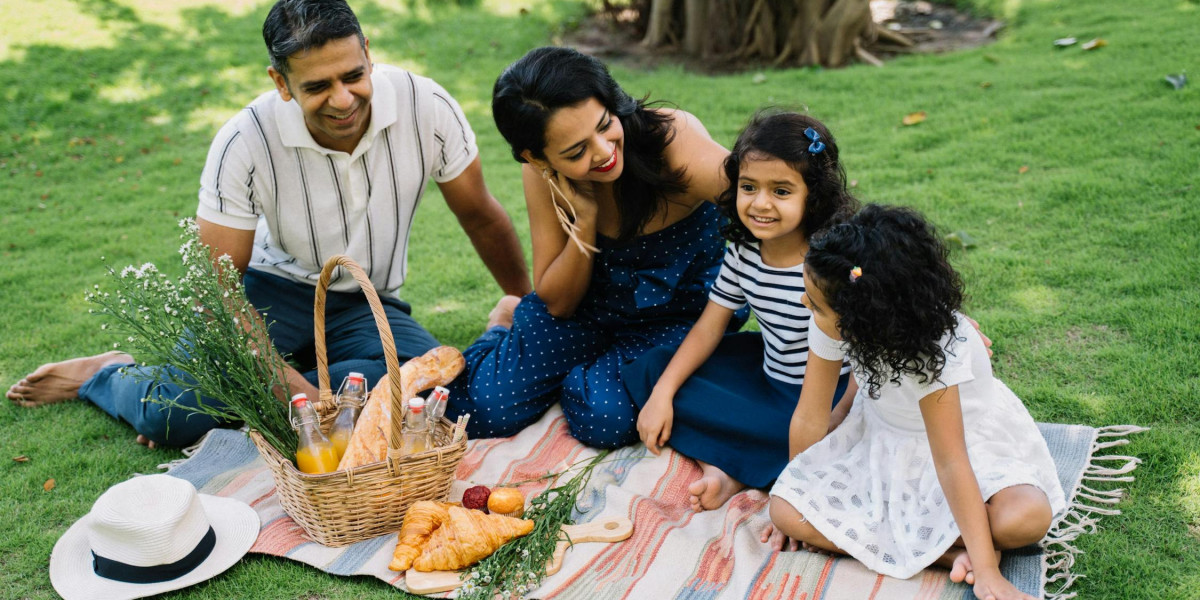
x=476 y=497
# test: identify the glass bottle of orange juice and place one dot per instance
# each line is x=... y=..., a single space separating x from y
x=316 y=453
x=350 y=399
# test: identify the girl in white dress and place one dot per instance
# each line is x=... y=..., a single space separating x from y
x=937 y=461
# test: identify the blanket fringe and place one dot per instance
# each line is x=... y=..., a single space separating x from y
x=1088 y=506
x=187 y=453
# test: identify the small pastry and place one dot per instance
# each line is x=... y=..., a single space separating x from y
x=506 y=501
x=477 y=498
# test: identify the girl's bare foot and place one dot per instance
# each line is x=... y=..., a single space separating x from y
x=60 y=381
x=777 y=541
x=961 y=570
x=502 y=313
x=713 y=488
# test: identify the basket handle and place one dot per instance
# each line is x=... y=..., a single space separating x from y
x=385 y=334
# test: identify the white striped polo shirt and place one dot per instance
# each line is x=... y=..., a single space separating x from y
x=774 y=296
x=306 y=202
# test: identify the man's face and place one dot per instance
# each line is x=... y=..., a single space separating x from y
x=332 y=85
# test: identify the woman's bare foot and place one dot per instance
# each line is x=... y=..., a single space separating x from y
x=60 y=381
x=713 y=488
x=502 y=314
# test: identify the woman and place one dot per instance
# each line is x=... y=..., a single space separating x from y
x=625 y=245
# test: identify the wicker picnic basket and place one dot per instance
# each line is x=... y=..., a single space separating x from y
x=343 y=507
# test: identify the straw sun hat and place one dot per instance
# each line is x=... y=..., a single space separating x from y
x=150 y=535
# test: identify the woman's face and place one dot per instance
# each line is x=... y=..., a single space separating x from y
x=584 y=142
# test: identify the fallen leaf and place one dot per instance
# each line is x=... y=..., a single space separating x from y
x=49 y=485
x=985 y=85
x=21 y=458
x=1177 y=81
x=914 y=118
x=961 y=239
x=1023 y=170
x=1064 y=42
x=758 y=78
x=1093 y=44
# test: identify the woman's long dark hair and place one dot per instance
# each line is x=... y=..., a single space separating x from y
x=896 y=312
x=546 y=79
x=778 y=134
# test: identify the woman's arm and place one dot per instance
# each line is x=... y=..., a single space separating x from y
x=703 y=158
x=561 y=271
x=811 y=419
x=654 y=421
x=942 y=414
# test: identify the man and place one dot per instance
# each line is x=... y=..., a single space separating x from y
x=334 y=161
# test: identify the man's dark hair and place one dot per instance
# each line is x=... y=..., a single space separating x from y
x=297 y=25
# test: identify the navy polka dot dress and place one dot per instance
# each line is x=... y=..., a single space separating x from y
x=644 y=293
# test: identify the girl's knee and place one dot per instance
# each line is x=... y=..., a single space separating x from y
x=1019 y=516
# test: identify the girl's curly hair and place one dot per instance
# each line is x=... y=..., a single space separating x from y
x=778 y=134
x=895 y=313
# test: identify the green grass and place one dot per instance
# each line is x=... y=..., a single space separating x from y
x=1085 y=274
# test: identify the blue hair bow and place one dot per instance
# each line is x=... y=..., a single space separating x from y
x=817 y=146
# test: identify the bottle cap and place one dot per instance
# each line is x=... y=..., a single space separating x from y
x=416 y=404
x=358 y=376
x=300 y=399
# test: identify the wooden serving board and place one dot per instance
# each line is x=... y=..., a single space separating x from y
x=607 y=530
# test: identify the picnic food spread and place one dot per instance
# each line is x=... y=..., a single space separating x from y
x=369 y=442
x=438 y=536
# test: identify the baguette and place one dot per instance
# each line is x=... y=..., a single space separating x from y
x=368 y=443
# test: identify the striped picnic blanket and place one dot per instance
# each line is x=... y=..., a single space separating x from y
x=673 y=552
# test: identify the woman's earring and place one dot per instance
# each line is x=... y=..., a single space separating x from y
x=567 y=222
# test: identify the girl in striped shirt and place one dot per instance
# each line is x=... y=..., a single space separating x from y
x=726 y=400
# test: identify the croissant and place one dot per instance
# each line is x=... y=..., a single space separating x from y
x=467 y=537
x=368 y=443
x=422 y=518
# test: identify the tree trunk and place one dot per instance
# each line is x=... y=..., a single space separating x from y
x=695 y=26
x=659 y=28
x=829 y=33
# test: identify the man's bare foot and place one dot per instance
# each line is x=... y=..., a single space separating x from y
x=60 y=381
x=713 y=489
x=502 y=314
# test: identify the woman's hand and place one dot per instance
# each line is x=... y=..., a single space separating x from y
x=576 y=198
x=991 y=585
x=654 y=422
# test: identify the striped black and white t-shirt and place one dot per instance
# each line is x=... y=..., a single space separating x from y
x=774 y=296
x=306 y=202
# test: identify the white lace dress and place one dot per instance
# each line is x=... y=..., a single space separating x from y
x=870 y=486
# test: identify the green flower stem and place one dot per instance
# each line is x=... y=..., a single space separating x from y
x=520 y=565
x=207 y=333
